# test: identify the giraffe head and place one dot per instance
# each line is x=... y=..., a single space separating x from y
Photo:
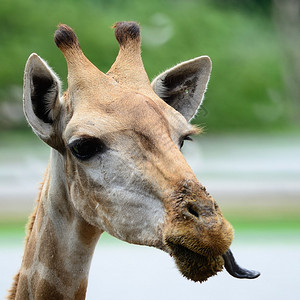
x=119 y=140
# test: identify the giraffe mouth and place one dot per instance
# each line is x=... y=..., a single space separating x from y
x=199 y=266
x=193 y=265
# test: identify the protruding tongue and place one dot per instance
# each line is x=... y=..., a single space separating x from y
x=235 y=270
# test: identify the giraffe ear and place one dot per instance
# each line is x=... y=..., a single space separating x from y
x=41 y=97
x=184 y=85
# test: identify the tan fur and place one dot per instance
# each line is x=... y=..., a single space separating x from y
x=136 y=185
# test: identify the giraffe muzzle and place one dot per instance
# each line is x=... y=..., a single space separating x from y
x=198 y=236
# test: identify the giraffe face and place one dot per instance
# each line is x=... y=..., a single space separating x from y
x=140 y=188
x=117 y=152
x=119 y=141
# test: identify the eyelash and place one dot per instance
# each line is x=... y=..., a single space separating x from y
x=186 y=138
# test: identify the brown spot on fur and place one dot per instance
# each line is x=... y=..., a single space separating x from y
x=44 y=290
x=87 y=233
x=80 y=294
x=65 y=37
x=127 y=31
x=20 y=288
x=23 y=288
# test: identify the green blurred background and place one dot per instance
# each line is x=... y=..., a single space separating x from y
x=249 y=155
x=254 y=88
x=254 y=84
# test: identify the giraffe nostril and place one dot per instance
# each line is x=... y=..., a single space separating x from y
x=192 y=210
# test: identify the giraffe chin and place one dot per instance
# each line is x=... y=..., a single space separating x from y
x=195 y=266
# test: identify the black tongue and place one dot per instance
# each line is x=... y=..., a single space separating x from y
x=235 y=270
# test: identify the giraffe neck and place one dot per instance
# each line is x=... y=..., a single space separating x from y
x=60 y=245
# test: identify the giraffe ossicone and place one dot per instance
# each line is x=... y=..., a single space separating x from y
x=116 y=166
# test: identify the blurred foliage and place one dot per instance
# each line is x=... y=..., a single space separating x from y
x=257 y=6
x=246 y=90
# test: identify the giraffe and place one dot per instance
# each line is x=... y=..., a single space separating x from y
x=116 y=166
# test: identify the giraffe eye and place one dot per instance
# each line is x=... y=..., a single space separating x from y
x=86 y=148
